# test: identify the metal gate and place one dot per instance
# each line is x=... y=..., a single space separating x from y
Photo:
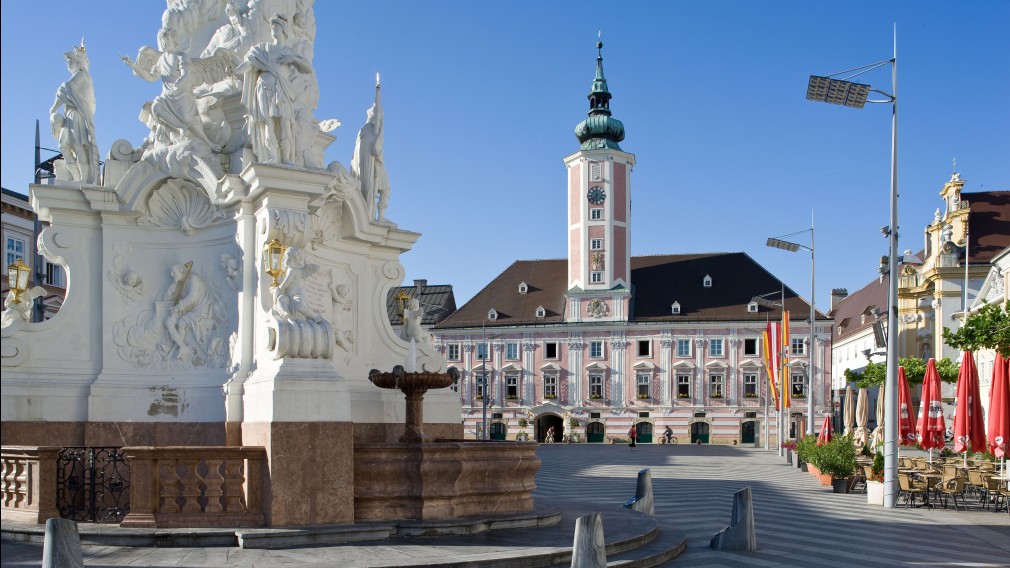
x=92 y=484
x=595 y=432
x=644 y=430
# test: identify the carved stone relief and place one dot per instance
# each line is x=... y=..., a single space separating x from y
x=128 y=282
x=179 y=204
x=298 y=328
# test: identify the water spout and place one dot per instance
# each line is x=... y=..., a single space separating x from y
x=411 y=366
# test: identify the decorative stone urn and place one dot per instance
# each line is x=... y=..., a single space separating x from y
x=413 y=386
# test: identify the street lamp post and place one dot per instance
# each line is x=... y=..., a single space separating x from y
x=794 y=247
x=843 y=92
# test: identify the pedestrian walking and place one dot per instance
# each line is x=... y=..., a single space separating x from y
x=632 y=434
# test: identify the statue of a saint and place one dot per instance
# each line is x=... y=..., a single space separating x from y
x=75 y=128
x=367 y=163
x=234 y=35
x=270 y=95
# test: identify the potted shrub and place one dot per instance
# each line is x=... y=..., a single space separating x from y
x=523 y=435
x=789 y=446
x=875 y=482
x=805 y=447
x=838 y=460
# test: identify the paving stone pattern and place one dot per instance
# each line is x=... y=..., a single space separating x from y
x=799 y=522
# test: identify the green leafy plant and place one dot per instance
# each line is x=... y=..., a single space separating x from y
x=877 y=470
x=874 y=374
x=523 y=423
x=574 y=422
x=838 y=457
x=806 y=447
x=988 y=328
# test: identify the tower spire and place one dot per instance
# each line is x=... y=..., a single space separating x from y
x=600 y=130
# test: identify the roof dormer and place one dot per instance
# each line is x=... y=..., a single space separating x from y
x=706 y=281
x=675 y=308
x=523 y=288
x=492 y=314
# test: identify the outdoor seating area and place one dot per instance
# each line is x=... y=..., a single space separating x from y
x=972 y=484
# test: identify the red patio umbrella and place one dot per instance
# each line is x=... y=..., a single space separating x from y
x=906 y=425
x=825 y=436
x=968 y=425
x=999 y=408
x=931 y=427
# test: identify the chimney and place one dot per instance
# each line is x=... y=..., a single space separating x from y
x=419 y=284
x=837 y=295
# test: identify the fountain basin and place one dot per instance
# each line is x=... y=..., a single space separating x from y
x=442 y=480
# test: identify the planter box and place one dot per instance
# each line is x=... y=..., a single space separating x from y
x=803 y=467
x=812 y=470
x=840 y=485
x=874 y=493
x=824 y=479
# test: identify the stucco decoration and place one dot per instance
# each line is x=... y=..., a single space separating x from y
x=20 y=307
x=182 y=330
x=74 y=130
x=127 y=281
x=343 y=306
x=597 y=308
x=299 y=331
x=179 y=204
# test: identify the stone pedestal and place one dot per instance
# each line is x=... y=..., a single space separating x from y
x=300 y=412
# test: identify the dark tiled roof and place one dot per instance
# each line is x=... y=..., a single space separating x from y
x=988 y=224
x=849 y=312
x=657 y=282
x=437 y=300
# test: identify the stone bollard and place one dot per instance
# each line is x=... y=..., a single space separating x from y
x=62 y=545
x=642 y=502
x=589 y=550
x=739 y=535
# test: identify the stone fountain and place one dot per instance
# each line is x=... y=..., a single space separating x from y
x=228 y=292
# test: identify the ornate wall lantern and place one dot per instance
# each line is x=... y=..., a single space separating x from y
x=17 y=278
x=273 y=255
x=402 y=299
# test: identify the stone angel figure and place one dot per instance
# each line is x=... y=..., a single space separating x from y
x=289 y=295
x=74 y=130
x=175 y=109
x=271 y=95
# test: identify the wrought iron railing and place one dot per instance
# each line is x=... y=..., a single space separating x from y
x=92 y=484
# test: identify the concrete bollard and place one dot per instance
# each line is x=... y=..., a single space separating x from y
x=589 y=549
x=642 y=502
x=739 y=535
x=62 y=545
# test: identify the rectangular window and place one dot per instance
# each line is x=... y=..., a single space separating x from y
x=595 y=386
x=750 y=385
x=452 y=351
x=683 y=386
x=798 y=385
x=550 y=350
x=715 y=386
x=799 y=346
x=15 y=250
x=596 y=244
x=479 y=381
x=54 y=274
x=644 y=348
x=643 y=381
x=750 y=347
x=596 y=277
x=595 y=214
x=596 y=171
x=512 y=387
x=596 y=350
x=683 y=348
x=715 y=348
x=512 y=350
x=482 y=351
x=550 y=386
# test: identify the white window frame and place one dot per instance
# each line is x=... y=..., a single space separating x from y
x=15 y=249
x=512 y=351
x=713 y=350
x=595 y=244
x=596 y=386
x=798 y=346
x=596 y=277
x=596 y=214
x=479 y=379
x=512 y=386
x=683 y=379
x=683 y=343
x=596 y=349
x=717 y=385
x=483 y=351
x=797 y=384
x=452 y=351
x=750 y=384
x=643 y=382
x=551 y=387
x=557 y=350
x=757 y=347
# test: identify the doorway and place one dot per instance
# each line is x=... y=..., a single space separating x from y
x=547 y=421
x=497 y=431
x=644 y=431
x=699 y=432
x=595 y=432
x=747 y=432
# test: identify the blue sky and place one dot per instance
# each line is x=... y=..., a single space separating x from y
x=481 y=99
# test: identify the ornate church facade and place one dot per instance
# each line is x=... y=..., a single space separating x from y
x=584 y=348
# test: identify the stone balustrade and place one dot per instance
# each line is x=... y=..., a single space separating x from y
x=196 y=486
x=29 y=483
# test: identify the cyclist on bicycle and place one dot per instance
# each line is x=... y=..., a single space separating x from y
x=668 y=434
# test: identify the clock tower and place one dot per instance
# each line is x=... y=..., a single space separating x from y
x=599 y=213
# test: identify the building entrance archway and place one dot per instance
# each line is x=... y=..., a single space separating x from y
x=700 y=432
x=747 y=432
x=544 y=422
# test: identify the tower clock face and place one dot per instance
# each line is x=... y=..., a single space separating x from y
x=596 y=195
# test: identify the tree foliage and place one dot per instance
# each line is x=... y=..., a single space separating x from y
x=874 y=374
x=988 y=328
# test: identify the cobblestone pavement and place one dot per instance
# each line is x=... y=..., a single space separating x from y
x=799 y=522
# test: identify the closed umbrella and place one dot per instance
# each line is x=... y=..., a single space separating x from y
x=877 y=437
x=861 y=433
x=999 y=408
x=850 y=412
x=825 y=436
x=906 y=425
x=968 y=426
x=931 y=427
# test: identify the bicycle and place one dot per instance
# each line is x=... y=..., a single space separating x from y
x=663 y=441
